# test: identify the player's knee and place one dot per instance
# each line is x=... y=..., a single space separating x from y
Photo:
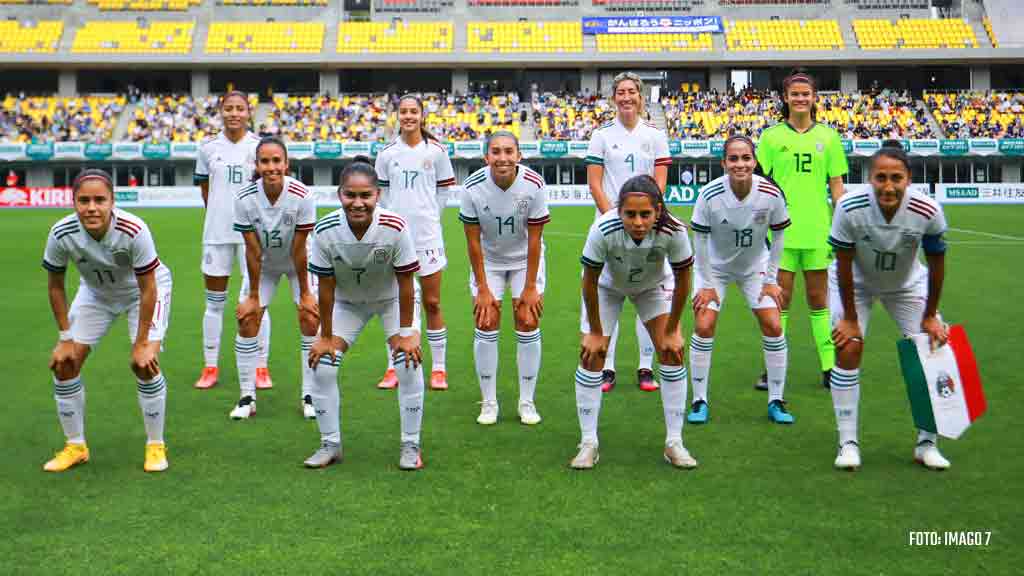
x=593 y=364
x=772 y=328
x=487 y=325
x=704 y=326
x=848 y=357
x=142 y=372
x=432 y=304
x=526 y=324
x=248 y=328
x=308 y=324
x=817 y=297
x=67 y=370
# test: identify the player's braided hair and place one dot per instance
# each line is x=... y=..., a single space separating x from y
x=892 y=149
x=268 y=141
x=427 y=135
x=359 y=165
x=92 y=174
x=647 y=186
x=798 y=76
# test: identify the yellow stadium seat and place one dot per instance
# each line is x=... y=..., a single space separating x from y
x=128 y=37
x=395 y=37
x=144 y=5
x=761 y=35
x=43 y=36
x=265 y=37
x=38 y=108
x=510 y=37
x=914 y=33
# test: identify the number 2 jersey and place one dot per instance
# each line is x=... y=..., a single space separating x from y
x=886 y=252
x=226 y=167
x=275 y=224
x=413 y=182
x=109 y=266
x=363 y=268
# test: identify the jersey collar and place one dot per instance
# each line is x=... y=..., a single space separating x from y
x=814 y=123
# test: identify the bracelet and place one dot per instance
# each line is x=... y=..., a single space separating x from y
x=64 y=335
x=406 y=331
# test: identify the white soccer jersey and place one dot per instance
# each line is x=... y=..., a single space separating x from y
x=365 y=268
x=109 y=266
x=228 y=167
x=275 y=224
x=503 y=215
x=625 y=154
x=414 y=181
x=886 y=253
x=632 y=268
x=737 y=229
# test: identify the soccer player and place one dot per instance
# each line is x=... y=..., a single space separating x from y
x=365 y=259
x=224 y=166
x=119 y=273
x=641 y=252
x=731 y=221
x=803 y=156
x=275 y=215
x=877 y=236
x=415 y=177
x=504 y=209
x=619 y=150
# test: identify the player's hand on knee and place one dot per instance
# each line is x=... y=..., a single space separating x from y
x=531 y=302
x=938 y=332
x=593 y=349
x=62 y=359
x=322 y=347
x=485 y=309
x=704 y=297
x=247 y=308
x=774 y=292
x=144 y=360
x=410 y=346
x=671 y=349
x=308 y=305
x=847 y=332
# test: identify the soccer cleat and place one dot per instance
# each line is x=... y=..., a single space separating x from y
x=246 y=408
x=71 y=455
x=927 y=454
x=762 y=382
x=607 y=380
x=677 y=455
x=409 y=457
x=778 y=413
x=263 y=381
x=528 y=414
x=324 y=456
x=698 y=413
x=390 y=380
x=156 y=458
x=438 y=380
x=308 y=412
x=488 y=413
x=586 y=458
x=208 y=379
x=848 y=457
x=826 y=379
x=645 y=379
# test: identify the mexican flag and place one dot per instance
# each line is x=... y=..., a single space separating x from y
x=943 y=386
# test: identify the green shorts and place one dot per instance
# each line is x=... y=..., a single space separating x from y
x=796 y=259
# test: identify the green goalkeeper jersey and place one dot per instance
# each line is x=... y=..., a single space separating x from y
x=801 y=164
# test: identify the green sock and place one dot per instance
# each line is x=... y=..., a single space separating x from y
x=821 y=329
x=784 y=320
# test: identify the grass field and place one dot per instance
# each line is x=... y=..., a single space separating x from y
x=501 y=500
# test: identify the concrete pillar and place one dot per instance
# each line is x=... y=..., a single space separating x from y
x=329 y=82
x=718 y=79
x=1012 y=170
x=200 y=83
x=322 y=173
x=460 y=80
x=67 y=83
x=981 y=78
x=40 y=175
x=848 y=80
x=588 y=81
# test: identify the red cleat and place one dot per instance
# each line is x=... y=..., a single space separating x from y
x=263 y=381
x=208 y=379
x=645 y=379
x=607 y=380
x=438 y=380
x=389 y=381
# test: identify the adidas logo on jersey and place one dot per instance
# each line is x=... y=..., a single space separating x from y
x=866 y=238
x=725 y=220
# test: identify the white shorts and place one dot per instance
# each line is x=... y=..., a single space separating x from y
x=269 y=279
x=749 y=285
x=432 y=261
x=91 y=315
x=219 y=260
x=649 y=304
x=350 y=318
x=512 y=280
x=906 y=308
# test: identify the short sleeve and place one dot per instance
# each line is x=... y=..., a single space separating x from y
x=404 y=258
x=837 y=165
x=320 y=257
x=841 y=236
x=662 y=156
x=55 y=257
x=306 y=218
x=779 y=219
x=595 y=150
x=380 y=166
x=539 y=214
x=144 y=258
x=444 y=172
x=595 y=249
x=467 y=208
x=680 y=252
x=699 y=221
x=937 y=225
x=242 y=221
x=202 y=171
x=765 y=153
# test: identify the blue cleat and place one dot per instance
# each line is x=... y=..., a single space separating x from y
x=698 y=413
x=778 y=413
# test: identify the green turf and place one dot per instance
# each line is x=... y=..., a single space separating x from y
x=501 y=500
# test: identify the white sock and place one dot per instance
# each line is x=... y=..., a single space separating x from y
x=700 y=365
x=673 y=400
x=438 y=340
x=643 y=340
x=327 y=398
x=247 y=351
x=485 y=352
x=776 y=354
x=588 y=403
x=213 y=325
x=264 y=337
x=609 y=359
x=307 y=372
x=391 y=361
x=70 y=397
x=845 y=386
x=528 y=352
x=925 y=436
x=410 y=398
x=153 y=402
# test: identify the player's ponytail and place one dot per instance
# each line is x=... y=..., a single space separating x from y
x=892 y=149
x=646 y=186
x=360 y=165
x=798 y=76
x=426 y=134
x=92 y=174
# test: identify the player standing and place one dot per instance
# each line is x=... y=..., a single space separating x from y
x=878 y=235
x=274 y=215
x=365 y=259
x=119 y=273
x=224 y=166
x=641 y=252
x=415 y=175
x=504 y=209
x=619 y=150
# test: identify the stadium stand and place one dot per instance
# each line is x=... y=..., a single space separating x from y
x=568 y=116
x=395 y=37
x=56 y=119
x=174 y=118
x=770 y=2
x=524 y=37
x=411 y=5
x=521 y=3
x=29 y=36
x=648 y=5
x=914 y=33
x=133 y=37
x=991 y=34
x=470 y=117
x=890 y=4
x=265 y=37
x=978 y=114
x=783 y=35
x=313 y=118
x=654 y=42
x=259 y=3
x=41 y=2
x=144 y=5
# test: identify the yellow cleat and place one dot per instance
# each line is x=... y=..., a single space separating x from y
x=156 y=458
x=71 y=455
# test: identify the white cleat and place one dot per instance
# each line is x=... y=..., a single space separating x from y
x=677 y=455
x=848 y=457
x=528 y=414
x=326 y=455
x=488 y=414
x=245 y=409
x=927 y=454
x=308 y=412
x=587 y=457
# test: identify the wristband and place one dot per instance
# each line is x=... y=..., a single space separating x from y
x=406 y=331
x=64 y=335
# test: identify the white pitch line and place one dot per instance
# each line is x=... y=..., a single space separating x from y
x=987 y=234
x=984 y=243
x=565 y=234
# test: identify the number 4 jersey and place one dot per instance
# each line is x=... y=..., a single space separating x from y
x=275 y=224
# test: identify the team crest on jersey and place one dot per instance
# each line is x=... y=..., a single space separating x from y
x=761 y=216
x=820 y=146
x=427 y=164
x=380 y=256
x=122 y=258
x=655 y=255
x=522 y=206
